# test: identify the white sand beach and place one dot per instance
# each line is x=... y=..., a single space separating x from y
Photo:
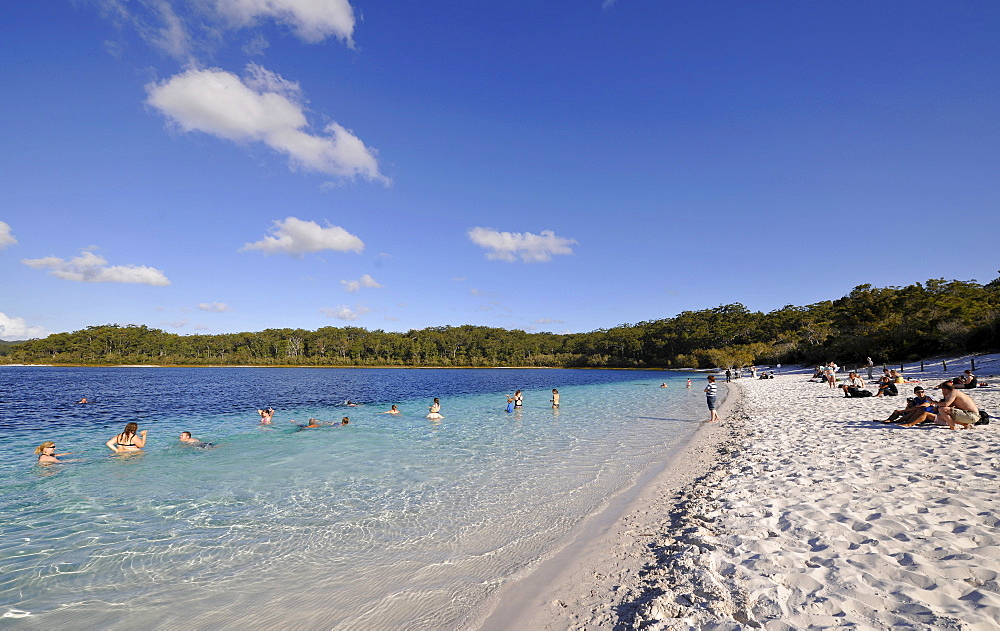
x=796 y=511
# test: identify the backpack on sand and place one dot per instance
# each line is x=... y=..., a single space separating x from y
x=984 y=418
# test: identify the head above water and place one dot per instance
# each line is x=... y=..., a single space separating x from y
x=46 y=445
x=131 y=428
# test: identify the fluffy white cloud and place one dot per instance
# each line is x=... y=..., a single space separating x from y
x=6 y=236
x=12 y=329
x=214 y=307
x=91 y=268
x=297 y=237
x=343 y=312
x=312 y=20
x=365 y=281
x=262 y=108
x=531 y=248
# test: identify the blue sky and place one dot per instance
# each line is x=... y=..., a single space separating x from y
x=213 y=166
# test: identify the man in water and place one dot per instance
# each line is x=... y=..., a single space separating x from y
x=187 y=439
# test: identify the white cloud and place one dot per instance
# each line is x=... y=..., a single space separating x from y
x=343 y=312
x=530 y=248
x=6 y=236
x=264 y=108
x=548 y=321
x=312 y=20
x=181 y=29
x=365 y=281
x=92 y=268
x=12 y=329
x=297 y=237
x=214 y=307
x=177 y=324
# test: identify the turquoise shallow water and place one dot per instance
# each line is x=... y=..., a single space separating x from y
x=389 y=523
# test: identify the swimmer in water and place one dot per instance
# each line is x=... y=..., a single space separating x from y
x=266 y=416
x=393 y=410
x=128 y=440
x=187 y=439
x=344 y=421
x=313 y=424
x=83 y=400
x=555 y=398
x=47 y=453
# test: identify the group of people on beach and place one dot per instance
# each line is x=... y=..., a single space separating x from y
x=955 y=409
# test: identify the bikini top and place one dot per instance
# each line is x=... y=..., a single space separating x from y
x=119 y=440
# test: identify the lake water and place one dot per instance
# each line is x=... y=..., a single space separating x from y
x=388 y=523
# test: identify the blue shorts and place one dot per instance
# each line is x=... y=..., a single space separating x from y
x=711 y=402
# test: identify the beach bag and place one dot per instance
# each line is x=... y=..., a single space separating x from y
x=984 y=418
x=864 y=393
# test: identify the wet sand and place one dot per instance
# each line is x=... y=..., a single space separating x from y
x=796 y=511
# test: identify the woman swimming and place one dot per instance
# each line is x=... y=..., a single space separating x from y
x=47 y=452
x=128 y=440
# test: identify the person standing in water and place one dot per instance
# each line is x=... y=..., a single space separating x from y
x=518 y=400
x=47 y=453
x=710 y=393
x=128 y=440
x=435 y=409
x=555 y=398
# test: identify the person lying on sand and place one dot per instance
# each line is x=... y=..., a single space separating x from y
x=966 y=381
x=916 y=407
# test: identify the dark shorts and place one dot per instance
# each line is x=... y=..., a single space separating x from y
x=711 y=402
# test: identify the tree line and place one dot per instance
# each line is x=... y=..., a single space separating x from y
x=889 y=324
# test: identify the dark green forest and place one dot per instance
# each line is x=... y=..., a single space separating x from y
x=890 y=324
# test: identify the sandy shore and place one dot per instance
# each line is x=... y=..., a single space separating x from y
x=796 y=511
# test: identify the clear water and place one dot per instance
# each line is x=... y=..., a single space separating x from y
x=389 y=523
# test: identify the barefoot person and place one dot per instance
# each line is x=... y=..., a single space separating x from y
x=128 y=440
x=710 y=392
x=956 y=408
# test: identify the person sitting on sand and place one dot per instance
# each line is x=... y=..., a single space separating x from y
x=853 y=386
x=266 y=416
x=916 y=407
x=886 y=387
x=392 y=410
x=128 y=440
x=47 y=453
x=896 y=377
x=956 y=408
x=966 y=381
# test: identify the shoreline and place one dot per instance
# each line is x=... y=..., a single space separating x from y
x=799 y=512
x=577 y=586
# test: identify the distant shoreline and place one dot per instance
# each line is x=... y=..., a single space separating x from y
x=325 y=366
